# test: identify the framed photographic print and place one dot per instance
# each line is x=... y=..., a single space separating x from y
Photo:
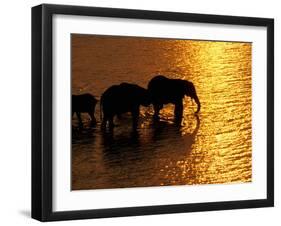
x=145 y=112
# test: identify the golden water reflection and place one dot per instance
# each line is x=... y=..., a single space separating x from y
x=214 y=147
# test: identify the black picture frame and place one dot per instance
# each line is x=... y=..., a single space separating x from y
x=42 y=111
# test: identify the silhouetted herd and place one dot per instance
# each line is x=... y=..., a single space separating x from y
x=126 y=97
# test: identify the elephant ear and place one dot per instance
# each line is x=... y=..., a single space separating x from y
x=189 y=89
x=144 y=96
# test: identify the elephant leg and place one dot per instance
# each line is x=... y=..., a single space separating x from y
x=103 y=124
x=79 y=119
x=178 y=113
x=93 y=118
x=157 y=108
x=111 y=123
x=135 y=115
x=119 y=116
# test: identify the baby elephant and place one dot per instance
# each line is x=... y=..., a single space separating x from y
x=84 y=103
x=122 y=98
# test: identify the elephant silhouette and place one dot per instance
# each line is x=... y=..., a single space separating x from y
x=84 y=103
x=122 y=98
x=163 y=90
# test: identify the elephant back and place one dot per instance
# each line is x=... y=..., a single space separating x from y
x=124 y=96
x=164 y=90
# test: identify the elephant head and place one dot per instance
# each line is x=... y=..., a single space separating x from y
x=144 y=97
x=189 y=90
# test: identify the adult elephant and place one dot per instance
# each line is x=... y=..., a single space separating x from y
x=84 y=103
x=163 y=90
x=122 y=98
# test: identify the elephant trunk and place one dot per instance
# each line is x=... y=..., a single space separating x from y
x=198 y=103
x=191 y=92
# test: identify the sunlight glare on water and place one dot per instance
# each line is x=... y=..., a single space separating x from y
x=213 y=147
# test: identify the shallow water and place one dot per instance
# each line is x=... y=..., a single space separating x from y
x=213 y=147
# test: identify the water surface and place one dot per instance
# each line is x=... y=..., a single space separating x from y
x=213 y=147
